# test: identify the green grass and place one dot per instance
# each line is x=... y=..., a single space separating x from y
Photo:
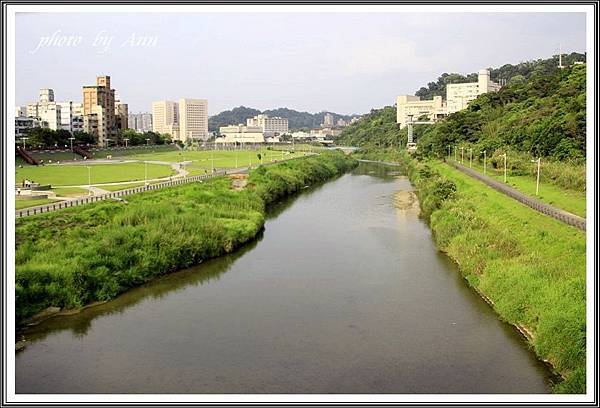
x=20 y=204
x=531 y=266
x=221 y=158
x=70 y=175
x=117 y=187
x=70 y=191
x=569 y=200
x=94 y=252
x=117 y=152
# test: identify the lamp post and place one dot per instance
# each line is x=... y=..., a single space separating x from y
x=449 y=150
x=23 y=139
x=484 y=162
x=147 y=142
x=145 y=173
x=126 y=140
x=89 y=180
x=462 y=155
x=471 y=158
x=504 y=167
x=71 y=139
x=455 y=149
x=537 y=182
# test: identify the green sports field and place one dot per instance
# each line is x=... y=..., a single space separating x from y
x=73 y=175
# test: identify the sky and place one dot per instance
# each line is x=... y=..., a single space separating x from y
x=346 y=63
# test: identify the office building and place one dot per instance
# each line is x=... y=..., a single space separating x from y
x=45 y=109
x=193 y=119
x=71 y=116
x=328 y=120
x=165 y=118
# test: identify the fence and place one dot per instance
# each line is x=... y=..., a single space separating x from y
x=134 y=190
x=529 y=201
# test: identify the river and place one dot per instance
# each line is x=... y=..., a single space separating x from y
x=342 y=293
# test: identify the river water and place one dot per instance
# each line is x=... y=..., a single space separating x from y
x=342 y=293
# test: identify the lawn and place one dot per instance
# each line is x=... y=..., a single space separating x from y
x=73 y=175
x=70 y=191
x=20 y=204
x=531 y=266
x=221 y=158
x=568 y=200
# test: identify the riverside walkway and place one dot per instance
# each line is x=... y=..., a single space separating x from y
x=538 y=205
x=25 y=212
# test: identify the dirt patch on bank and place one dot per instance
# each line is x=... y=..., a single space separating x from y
x=238 y=181
x=406 y=201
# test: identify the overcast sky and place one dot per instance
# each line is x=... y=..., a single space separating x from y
x=342 y=62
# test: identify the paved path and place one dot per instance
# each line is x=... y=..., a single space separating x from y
x=25 y=212
x=554 y=212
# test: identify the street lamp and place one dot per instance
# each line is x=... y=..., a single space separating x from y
x=537 y=183
x=71 y=139
x=462 y=155
x=147 y=142
x=145 y=173
x=471 y=158
x=23 y=139
x=504 y=155
x=455 y=149
x=126 y=140
x=484 y=162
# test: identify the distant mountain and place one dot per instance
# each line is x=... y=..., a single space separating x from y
x=296 y=120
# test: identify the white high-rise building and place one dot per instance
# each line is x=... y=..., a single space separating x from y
x=328 y=120
x=165 y=118
x=193 y=119
x=270 y=126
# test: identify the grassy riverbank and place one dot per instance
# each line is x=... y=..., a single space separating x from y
x=95 y=252
x=532 y=267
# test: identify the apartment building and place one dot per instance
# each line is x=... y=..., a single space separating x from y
x=99 y=110
x=71 y=116
x=121 y=115
x=458 y=97
x=140 y=122
x=270 y=126
x=193 y=119
x=327 y=120
x=46 y=110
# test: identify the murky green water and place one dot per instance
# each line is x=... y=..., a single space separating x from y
x=343 y=293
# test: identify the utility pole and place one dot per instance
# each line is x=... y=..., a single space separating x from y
x=484 y=162
x=537 y=183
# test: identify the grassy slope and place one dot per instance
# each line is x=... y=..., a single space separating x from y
x=531 y=266
x=20 y=204
x=94 y=252
x=66 y=175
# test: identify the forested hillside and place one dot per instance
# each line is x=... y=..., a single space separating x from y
x=296 y=119
x=507 y=73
